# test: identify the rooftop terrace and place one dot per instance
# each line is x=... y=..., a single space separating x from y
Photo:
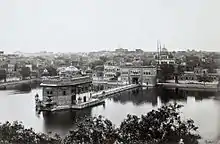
x=58 y=81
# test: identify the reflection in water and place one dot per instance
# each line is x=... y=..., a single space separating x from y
x=167 y=95
x=65 y=120
x=203 y=107
x=137 y=97
x=140 y=96
x=62 y=121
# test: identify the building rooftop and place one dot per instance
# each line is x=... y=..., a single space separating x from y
x=137 y=66
x=58 y=81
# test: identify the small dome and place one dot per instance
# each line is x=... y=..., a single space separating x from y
x=72 y=69
x=45 y=71
x=164 y=50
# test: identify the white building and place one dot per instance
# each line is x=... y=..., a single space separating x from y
x=163 y=57
x=29 y=66
x=145 y=75
x=110 y=70
x=11 y=68
x=165 y=61
x=67 y=71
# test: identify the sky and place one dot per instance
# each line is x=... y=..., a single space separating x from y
x=92 y=25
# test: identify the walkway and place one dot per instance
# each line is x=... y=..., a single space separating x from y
x=107 y=92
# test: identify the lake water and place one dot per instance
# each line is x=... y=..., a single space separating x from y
x=202 y=107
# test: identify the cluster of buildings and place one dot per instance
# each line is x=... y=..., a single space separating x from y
x=120 y=65
x=135 y=71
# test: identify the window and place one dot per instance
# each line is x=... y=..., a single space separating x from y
x=64 y=92
x=49 y=92
x=163 y=62
x=124 y=72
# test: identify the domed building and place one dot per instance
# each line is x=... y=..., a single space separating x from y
x=72 y=69
x=45 y=72
x=68 y=71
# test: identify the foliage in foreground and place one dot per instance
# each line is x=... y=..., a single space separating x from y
x=15 y=133
x=158 y=126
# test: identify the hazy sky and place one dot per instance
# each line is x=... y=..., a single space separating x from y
x=86 y=25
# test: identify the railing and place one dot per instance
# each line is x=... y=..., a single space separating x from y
x=104 y=93
x=68 y=81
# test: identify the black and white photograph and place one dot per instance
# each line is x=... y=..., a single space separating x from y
x=109 y=71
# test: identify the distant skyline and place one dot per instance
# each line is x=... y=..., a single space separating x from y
x=92 y=25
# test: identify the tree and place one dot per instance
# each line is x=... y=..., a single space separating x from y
x=166 y=72
x=16 y=67
x=93 y=131
x=104 y=58
x=178 y=71
x=162 y=126
x=52 y=71
x=34 y=67
x=15 y=133
x=147 y=62
x=25 y=72
x=158 y=126
x=204 y=78
x=96 y=63
x=3 y=75
x=210 y=64
x=192 y=62
x=170 y=56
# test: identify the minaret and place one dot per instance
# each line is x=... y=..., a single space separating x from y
x=158 y=53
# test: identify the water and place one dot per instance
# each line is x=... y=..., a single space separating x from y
x=202 y=107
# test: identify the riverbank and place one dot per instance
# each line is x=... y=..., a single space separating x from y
x=20 y=84
x=214 y=87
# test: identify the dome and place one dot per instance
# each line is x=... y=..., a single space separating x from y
x=61 y=68
x=72 y=69
x=164 y=50
x=45 y=71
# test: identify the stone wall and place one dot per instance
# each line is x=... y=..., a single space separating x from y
x=144 y=74
x=149 y=80
x=64 y=100
x=63 y=95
